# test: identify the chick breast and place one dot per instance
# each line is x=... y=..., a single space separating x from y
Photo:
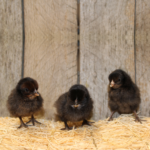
x=17 y=106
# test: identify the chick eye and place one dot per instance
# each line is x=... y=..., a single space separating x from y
x=119 y=80
x=26 y=90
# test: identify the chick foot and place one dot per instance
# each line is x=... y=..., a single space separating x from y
x=111 y=118
x=85 y=122
x=22 y=124
x=136 y=117
x=33 y=121
x=66 y=127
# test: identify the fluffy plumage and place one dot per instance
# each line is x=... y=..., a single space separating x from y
x=74 y=105
x=123 y=94
x=25 y=100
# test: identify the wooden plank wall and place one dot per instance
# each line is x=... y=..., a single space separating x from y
x=107 y=43
x=10 y=49
x=143 y=53
x=111 y=37
x=51 y=47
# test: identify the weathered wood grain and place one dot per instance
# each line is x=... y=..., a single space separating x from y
x=10 y=49
x=143 y=53
x=51 y=47
x=107 y=43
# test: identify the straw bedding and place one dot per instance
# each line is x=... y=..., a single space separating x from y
x=121 y=133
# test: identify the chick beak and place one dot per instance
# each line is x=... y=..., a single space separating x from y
x=112 y=83
x=76 y=102
x=36 y=93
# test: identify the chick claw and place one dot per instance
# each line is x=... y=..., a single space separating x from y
x=33 y=121
x=110 y=119
x=85 y=122
x=138 y=120
x=66 y=127
x=23 y=125
x=136 y=117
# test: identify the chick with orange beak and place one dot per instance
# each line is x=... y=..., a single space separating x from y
x=74 y=105
x=25 y=100
x=123 y=94
x=112 y=83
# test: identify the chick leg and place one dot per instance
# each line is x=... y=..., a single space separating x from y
x=85 y=122
x=66 y=126
x=136 y=117
x=22 y=123
x=111 y=116
x=33 y=121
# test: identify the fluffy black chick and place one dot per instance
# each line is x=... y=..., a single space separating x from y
x=74 y=105
x=25 y=100
x=123 y=94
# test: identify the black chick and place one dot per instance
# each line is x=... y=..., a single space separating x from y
x=74 y=105
x=123 y=94
x=25 y=100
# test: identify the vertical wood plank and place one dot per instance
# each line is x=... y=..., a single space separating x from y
x=10 y=49
x=107 y=43
x=143 y=53
x=51 y=47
